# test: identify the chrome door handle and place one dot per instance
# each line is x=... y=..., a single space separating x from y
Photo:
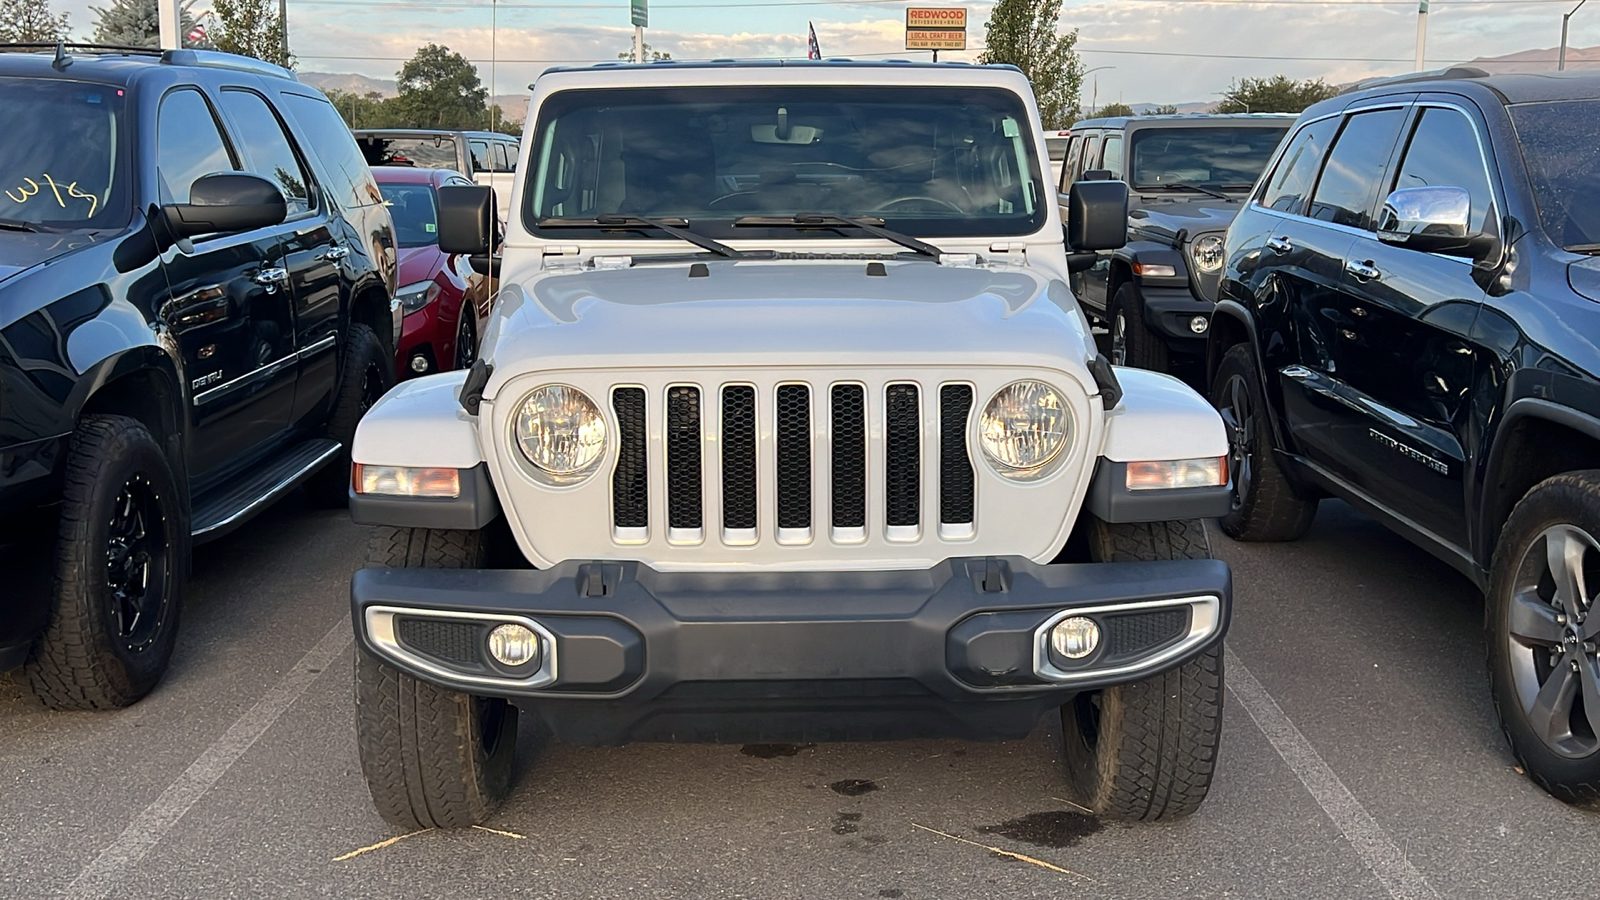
x=334 y=253
x=1279 y=245
x=1365 y=271
x=271 y=278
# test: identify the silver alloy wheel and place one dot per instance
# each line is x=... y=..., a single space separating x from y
x=1119 y=340
x=1551 y=632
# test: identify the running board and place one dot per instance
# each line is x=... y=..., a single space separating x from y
x=232 y=504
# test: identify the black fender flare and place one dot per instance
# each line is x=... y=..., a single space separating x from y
x=151 y=357
x=1488 y=499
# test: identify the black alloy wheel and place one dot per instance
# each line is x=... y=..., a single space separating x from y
x=466 y=339
x=1119 y=339
x=1551 y=640
x=373 y=386
x=1239 y=418
x=137 y=563
x=1265 y=505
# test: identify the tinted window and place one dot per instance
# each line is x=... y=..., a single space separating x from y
x=480 y=155
x=1069 y=169
x=1221 y=157
x=1291 y=181
x=349 y=181
x=500 y=158
x=188 y=144
x=267 y=148
x=432 y=152
x=1561 y=147
x=1091 y=153
x=411 y=206
x=1444 y=152
x=1056 y=147
x=1349 y=183
x=1113 y=155
x=61 y=160
x=510 y=161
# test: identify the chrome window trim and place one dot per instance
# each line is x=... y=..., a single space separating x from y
x=256 y=374
x=378 y=622
x=1204 y=619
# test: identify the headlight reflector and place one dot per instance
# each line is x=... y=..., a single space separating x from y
x=1024 y=426
x=560 y=430
x=413 y=297
x=1208 y=253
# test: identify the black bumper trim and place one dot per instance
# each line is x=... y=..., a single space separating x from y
x=1167 y=312
x=475 y=508
x=1110 y=500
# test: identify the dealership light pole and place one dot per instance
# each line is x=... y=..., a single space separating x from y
x=1422 y=32
x=167 y=22
x=1561 y=61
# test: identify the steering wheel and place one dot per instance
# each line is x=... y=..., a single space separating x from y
x=903 y=201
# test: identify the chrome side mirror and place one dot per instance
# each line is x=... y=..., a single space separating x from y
x=1433 y=220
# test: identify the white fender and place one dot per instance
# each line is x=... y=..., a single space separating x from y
x=1160 y=417
x=419 y=423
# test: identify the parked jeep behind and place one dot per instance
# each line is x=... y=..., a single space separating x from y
x=1407 y=322
x=786 y=427
x=1188 y=176
x=195 y=281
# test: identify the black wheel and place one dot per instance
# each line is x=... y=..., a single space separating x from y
x=1132 y=342
x=466 y=338
x=1146 y=751
x=121 y=554
x=433 y=758
x=1542 y=631
x=1265 y=505
x=367 y=374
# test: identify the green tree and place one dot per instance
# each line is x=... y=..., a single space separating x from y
x=503 y=125
x=1023 y=34
x=135 y=23
x=1276 y=94
x=250 y=28
x=1114 y=109
x=30 y=21
x=651 y=55
x=440 y=89
x=1165 y=109
x=369 y=110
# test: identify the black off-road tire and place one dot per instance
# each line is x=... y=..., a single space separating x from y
x=1142 y=348
x=1571 y=499
x=82 y=661
x=367 y=373
x=1265 y=505
x=1146 y=751
x=433 y=758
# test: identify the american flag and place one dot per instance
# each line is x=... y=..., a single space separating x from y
x=197 y=34
x=814 y=52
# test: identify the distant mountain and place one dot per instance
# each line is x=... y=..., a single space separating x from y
x=515 y=106
x=1543 y=60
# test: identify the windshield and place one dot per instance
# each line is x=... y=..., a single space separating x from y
x=429 y=152
x=411 y=207
x=927 y=161
x=1057 y=147
x=1218 y=157
x=60 y=159
x=1561 y=146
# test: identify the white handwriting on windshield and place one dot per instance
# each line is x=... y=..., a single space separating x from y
x=56 y=189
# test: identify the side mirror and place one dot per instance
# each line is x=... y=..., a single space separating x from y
x=1081 y=262
x=227 y=203
x=1096 y=175
x=1433 y=220
x=1097 y=215
x=466 y=219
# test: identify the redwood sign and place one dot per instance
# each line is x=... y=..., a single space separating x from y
x=941 y=28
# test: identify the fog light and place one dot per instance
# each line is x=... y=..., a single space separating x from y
x=419 y=363
x=1075 y=638
x=1199 y=324
x=513 y=645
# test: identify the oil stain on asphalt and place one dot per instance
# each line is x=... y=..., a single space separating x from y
x=854 y=787
x=1047 y=829
x=773 y=751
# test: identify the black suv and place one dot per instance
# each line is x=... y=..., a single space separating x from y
x=196 y=273
x=1408 y=322
x=1187 y=177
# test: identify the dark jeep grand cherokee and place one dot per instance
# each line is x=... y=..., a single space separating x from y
x=1187 y=176
x=195 y=280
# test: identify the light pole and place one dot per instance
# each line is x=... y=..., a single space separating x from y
x=494 y=55
x=1561 y=62
x=1094 y=95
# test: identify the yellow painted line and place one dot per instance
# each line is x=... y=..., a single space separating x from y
x=509 y=834
x=379 y=845
x=1007 y=853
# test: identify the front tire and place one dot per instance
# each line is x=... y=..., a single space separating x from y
x=1132 y=342
x=433 y=758
x=367 y=374
x=1265 y=506
x=121 y=555
x=1542 y=628
x=1146 y=751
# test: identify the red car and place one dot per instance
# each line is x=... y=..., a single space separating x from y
x=445 y=302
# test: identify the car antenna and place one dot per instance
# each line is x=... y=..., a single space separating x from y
x=62 y=60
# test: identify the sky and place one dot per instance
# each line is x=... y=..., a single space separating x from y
x=1142 y=51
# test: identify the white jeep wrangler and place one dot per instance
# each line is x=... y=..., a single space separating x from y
x=744 y=460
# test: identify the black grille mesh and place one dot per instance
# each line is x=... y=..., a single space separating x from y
x=449 y=641
x=683 y=457
x=739 y=457
x=902 y=455
x=849 y=410
x=630 y=503
x=1135 y=632
x=955 y=469
x=794 y=456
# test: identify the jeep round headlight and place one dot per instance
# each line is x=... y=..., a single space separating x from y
x=1209 y=254
x=1024 y=426
x=560 y=430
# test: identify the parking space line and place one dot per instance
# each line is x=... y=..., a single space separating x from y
x=149 y=827
x=1370 y=841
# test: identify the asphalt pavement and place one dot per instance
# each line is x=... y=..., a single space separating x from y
x=1361 y=759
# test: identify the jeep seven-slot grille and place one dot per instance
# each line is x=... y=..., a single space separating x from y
x=865 y=427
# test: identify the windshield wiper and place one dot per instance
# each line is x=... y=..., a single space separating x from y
x=678 y=228
x=1186 y=186
x=15 y=225
x=1588 y=249
x=873 y=227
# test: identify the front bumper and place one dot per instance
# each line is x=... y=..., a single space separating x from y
x=630 y=653
x=1167 y=312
